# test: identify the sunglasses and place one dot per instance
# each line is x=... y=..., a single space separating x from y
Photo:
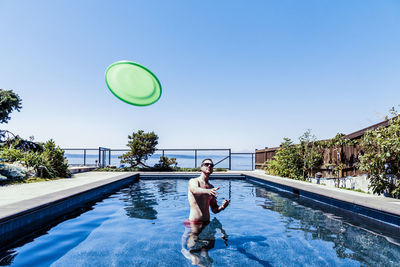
x=208 y=164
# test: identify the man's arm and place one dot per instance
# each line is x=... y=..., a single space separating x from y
x=196 y=189
x=214 y=206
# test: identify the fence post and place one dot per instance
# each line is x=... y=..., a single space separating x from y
x=252 y=158
x=109 y=157
x=99 y=157
x=195 y=158
x=230 y=158
x=84 y=157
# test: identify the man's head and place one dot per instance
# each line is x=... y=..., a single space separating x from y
x=207 y=166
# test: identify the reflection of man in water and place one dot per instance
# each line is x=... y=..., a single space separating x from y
x=198 y=239
x=202 y=195
x=199 y=235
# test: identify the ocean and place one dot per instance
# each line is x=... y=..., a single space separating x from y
x=185 y=159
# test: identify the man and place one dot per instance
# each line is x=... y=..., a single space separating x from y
x=202 y=195
x=199 y=235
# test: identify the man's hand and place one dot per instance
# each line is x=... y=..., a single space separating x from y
x=225 y=204
x=213 y=191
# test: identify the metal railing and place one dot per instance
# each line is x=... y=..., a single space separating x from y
x=252 y=157
x=102 y=156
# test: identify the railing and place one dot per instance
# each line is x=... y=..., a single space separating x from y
x=189 y=158
x=252 y=158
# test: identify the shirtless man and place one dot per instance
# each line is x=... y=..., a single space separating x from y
x=202 y=195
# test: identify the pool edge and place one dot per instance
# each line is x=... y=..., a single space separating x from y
x=31 y=215
x=373 y=207
x=26 y=217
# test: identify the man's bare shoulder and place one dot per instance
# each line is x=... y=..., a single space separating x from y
x=194 y=181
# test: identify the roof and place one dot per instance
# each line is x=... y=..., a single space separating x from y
x=351 y=136
x=361 y=132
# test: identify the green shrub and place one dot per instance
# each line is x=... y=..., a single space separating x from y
x=11 y=154
x=53 y=162
x=48 y=161
x=287 y=161
x=181 y=169
x=166 y=164
x=174 y=169
x=311 y=151
x=381 y=158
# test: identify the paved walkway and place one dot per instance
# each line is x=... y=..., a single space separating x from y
x=19 y=192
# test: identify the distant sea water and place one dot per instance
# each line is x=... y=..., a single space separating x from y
x=184 y=160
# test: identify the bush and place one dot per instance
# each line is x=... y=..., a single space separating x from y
x=11 y=154
x=381 y=158
x=287 y=161
x=47 y=162
x=311 y=151
x=52 y=160
x=179 y=169
x=175 y=169
x=296 y=161
x=166 y=164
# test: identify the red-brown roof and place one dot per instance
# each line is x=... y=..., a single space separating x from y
x=354 y=135
x=361 y=132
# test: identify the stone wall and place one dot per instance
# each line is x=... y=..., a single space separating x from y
x=355 y=183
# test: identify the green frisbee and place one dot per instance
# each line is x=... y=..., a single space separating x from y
x=133 y=83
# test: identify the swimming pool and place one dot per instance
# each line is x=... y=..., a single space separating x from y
x=143 y=225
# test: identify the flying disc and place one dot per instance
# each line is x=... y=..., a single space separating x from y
x=133 y=83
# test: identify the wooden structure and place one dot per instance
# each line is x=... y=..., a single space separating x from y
x=262 y=155
x=348 y=154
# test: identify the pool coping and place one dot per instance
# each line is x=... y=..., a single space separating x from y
x=384 y=209
x=21 y=218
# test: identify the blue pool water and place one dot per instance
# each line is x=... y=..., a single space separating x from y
x=143 y=226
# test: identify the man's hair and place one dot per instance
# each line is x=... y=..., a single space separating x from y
x=205 y=160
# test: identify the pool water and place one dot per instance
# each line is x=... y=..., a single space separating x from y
x=142 y=225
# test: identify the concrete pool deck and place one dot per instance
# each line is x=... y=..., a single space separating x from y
x=26 y=208
x=36 y=204
x=18 y=192
x=384 y=204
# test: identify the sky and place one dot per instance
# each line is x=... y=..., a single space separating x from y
x=234 y=74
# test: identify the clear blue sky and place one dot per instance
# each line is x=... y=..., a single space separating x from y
x=235 y=74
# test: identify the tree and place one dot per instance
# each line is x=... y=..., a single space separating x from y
x=311 y=152
x=337 y=144
x=380 y=158
x=142 y=145
x=287 y=161
x=9 y=101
